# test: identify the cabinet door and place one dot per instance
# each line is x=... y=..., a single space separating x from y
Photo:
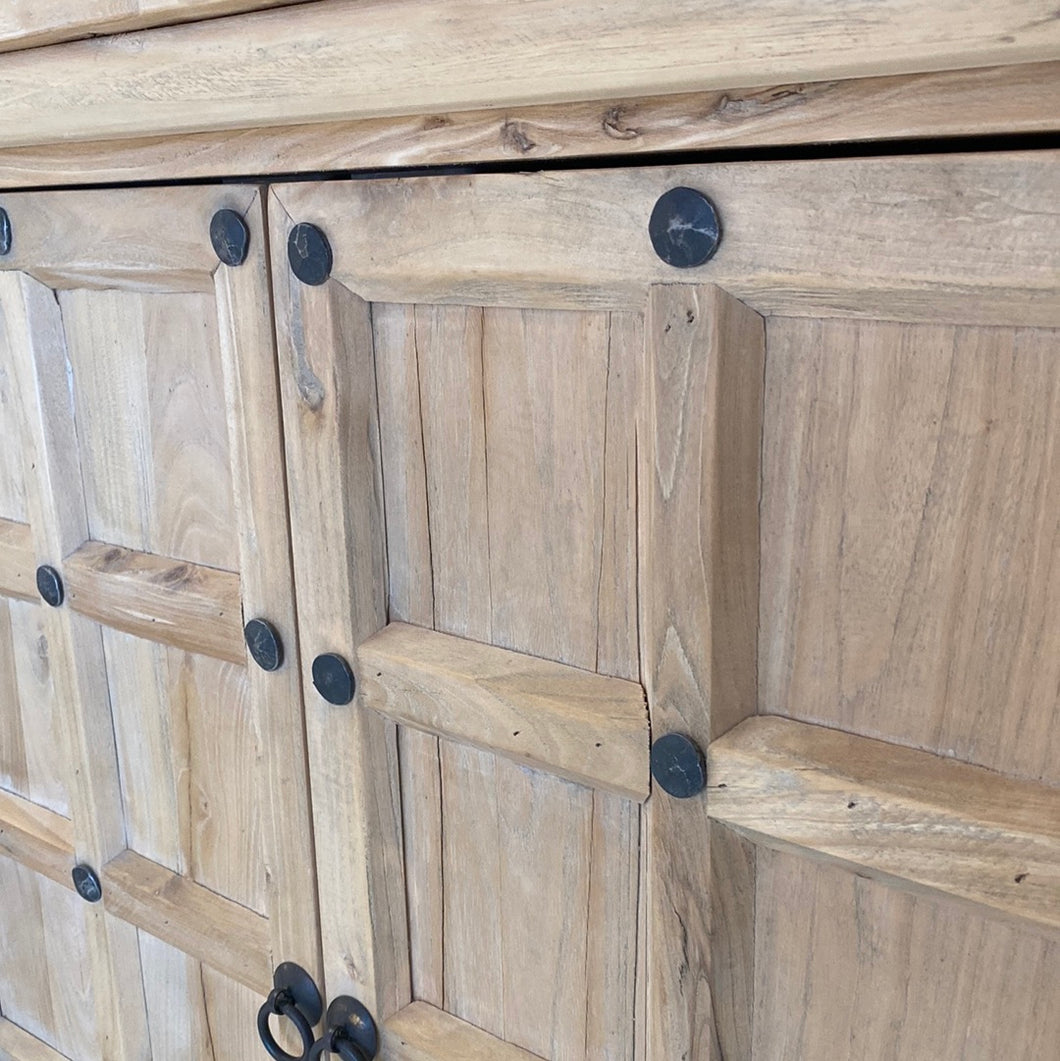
x=142 y=468
x=563 y=487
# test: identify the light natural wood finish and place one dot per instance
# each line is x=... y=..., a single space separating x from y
x=946 y=103
x=33 y=23
x=56 y=509
x=350 y=59
x=851 y=969
x=963 y=238
x=698 y=489
x=421 y=1032
x=573 y=723
x=907 y=817
x=16 y=561
x=327 y=382
x=215 y=930
x=909 y=583
x=267 y=589
x=194 y=608
x=36 y=837
x=18 y=1045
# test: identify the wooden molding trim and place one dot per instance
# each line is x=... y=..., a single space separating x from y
x=908 y=817
x=1001 y=99
x=17 y=561
x=420 y=1032
x=355 y=59
x=19 y=1045
x=37 y=837
x=216 y=930
x=176 y=603
x=582 y=726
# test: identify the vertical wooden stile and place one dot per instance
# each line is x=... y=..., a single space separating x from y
x=699 y=482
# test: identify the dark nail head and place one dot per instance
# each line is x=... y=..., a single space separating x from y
x=264 y=644
x=309 y=253
x=50 y=585
x=678 y=766
x=86 y=883
x=333 y=679
x=230 y=237
x=684 y=228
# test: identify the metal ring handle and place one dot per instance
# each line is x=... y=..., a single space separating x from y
x=282 y=1004
x=334 y=1041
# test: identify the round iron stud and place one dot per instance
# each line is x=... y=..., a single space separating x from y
x=678 y=766
x=266 y=648
x=333 y=679
x=5 y=232
x=86 y=883
x=684 y=228
x=309 y=253
x=230 y=237
x=50 y=585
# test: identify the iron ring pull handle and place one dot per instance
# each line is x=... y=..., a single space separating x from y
x=294 y=996
x=351 y=1032
x=335 y=1041
x=282 y=1003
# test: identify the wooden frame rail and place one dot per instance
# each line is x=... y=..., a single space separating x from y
x=420 y=1032
x=17 y=561
x=912 y=818
x=37 y=837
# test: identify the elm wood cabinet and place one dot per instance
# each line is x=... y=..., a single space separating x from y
x=551 y=499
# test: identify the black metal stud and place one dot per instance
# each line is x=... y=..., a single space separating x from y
x=86 y=882
x=684 y=228
x=5 y=232
x=333 y=679
x=678 y=766
x=230 y=237
x=309 y=253
x=50 y=585
x=266 y=648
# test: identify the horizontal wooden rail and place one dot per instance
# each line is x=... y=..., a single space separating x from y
x=185 y=605
x=19 y=1045
x=226 y=936
x=351 y=59
x=420 y=1032
x=37 y=837
x=917 y=820
x=579 y=725
x=17 y=561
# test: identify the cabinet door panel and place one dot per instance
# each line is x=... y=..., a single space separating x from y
x=153 y=484
x=511 y=423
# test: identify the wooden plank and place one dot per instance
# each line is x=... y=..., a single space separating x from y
x=17 y=563
x=946 y=103
x=327 y=383
x=188 y=606
x=963 y=238
x=267 y=585
x=888 y=974
x=56 y=509
x=217 y=931
x=19 y=1045
x=573 y=723
x=40 y=22
x=698 y=489
x=36 y=837
x=420 y=1032
x=355 y=60
x=943 y=632
x=905 y=816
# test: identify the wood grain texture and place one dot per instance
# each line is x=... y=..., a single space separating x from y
x=962 y=238
x=57 y=513
x=349 y=59
x=19 y=1045
x=255 y=442
x=572 y=723
x=908 y=817
x=330 y=414
x=421 y=1032
x=1000 y=99
x=157 y=240
x=698 y=439
x=202 y=923
x=16 y=561
x=910 y=589
x=850 y=969
x=37 y=838
x=33 y=23
x=194 y=608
